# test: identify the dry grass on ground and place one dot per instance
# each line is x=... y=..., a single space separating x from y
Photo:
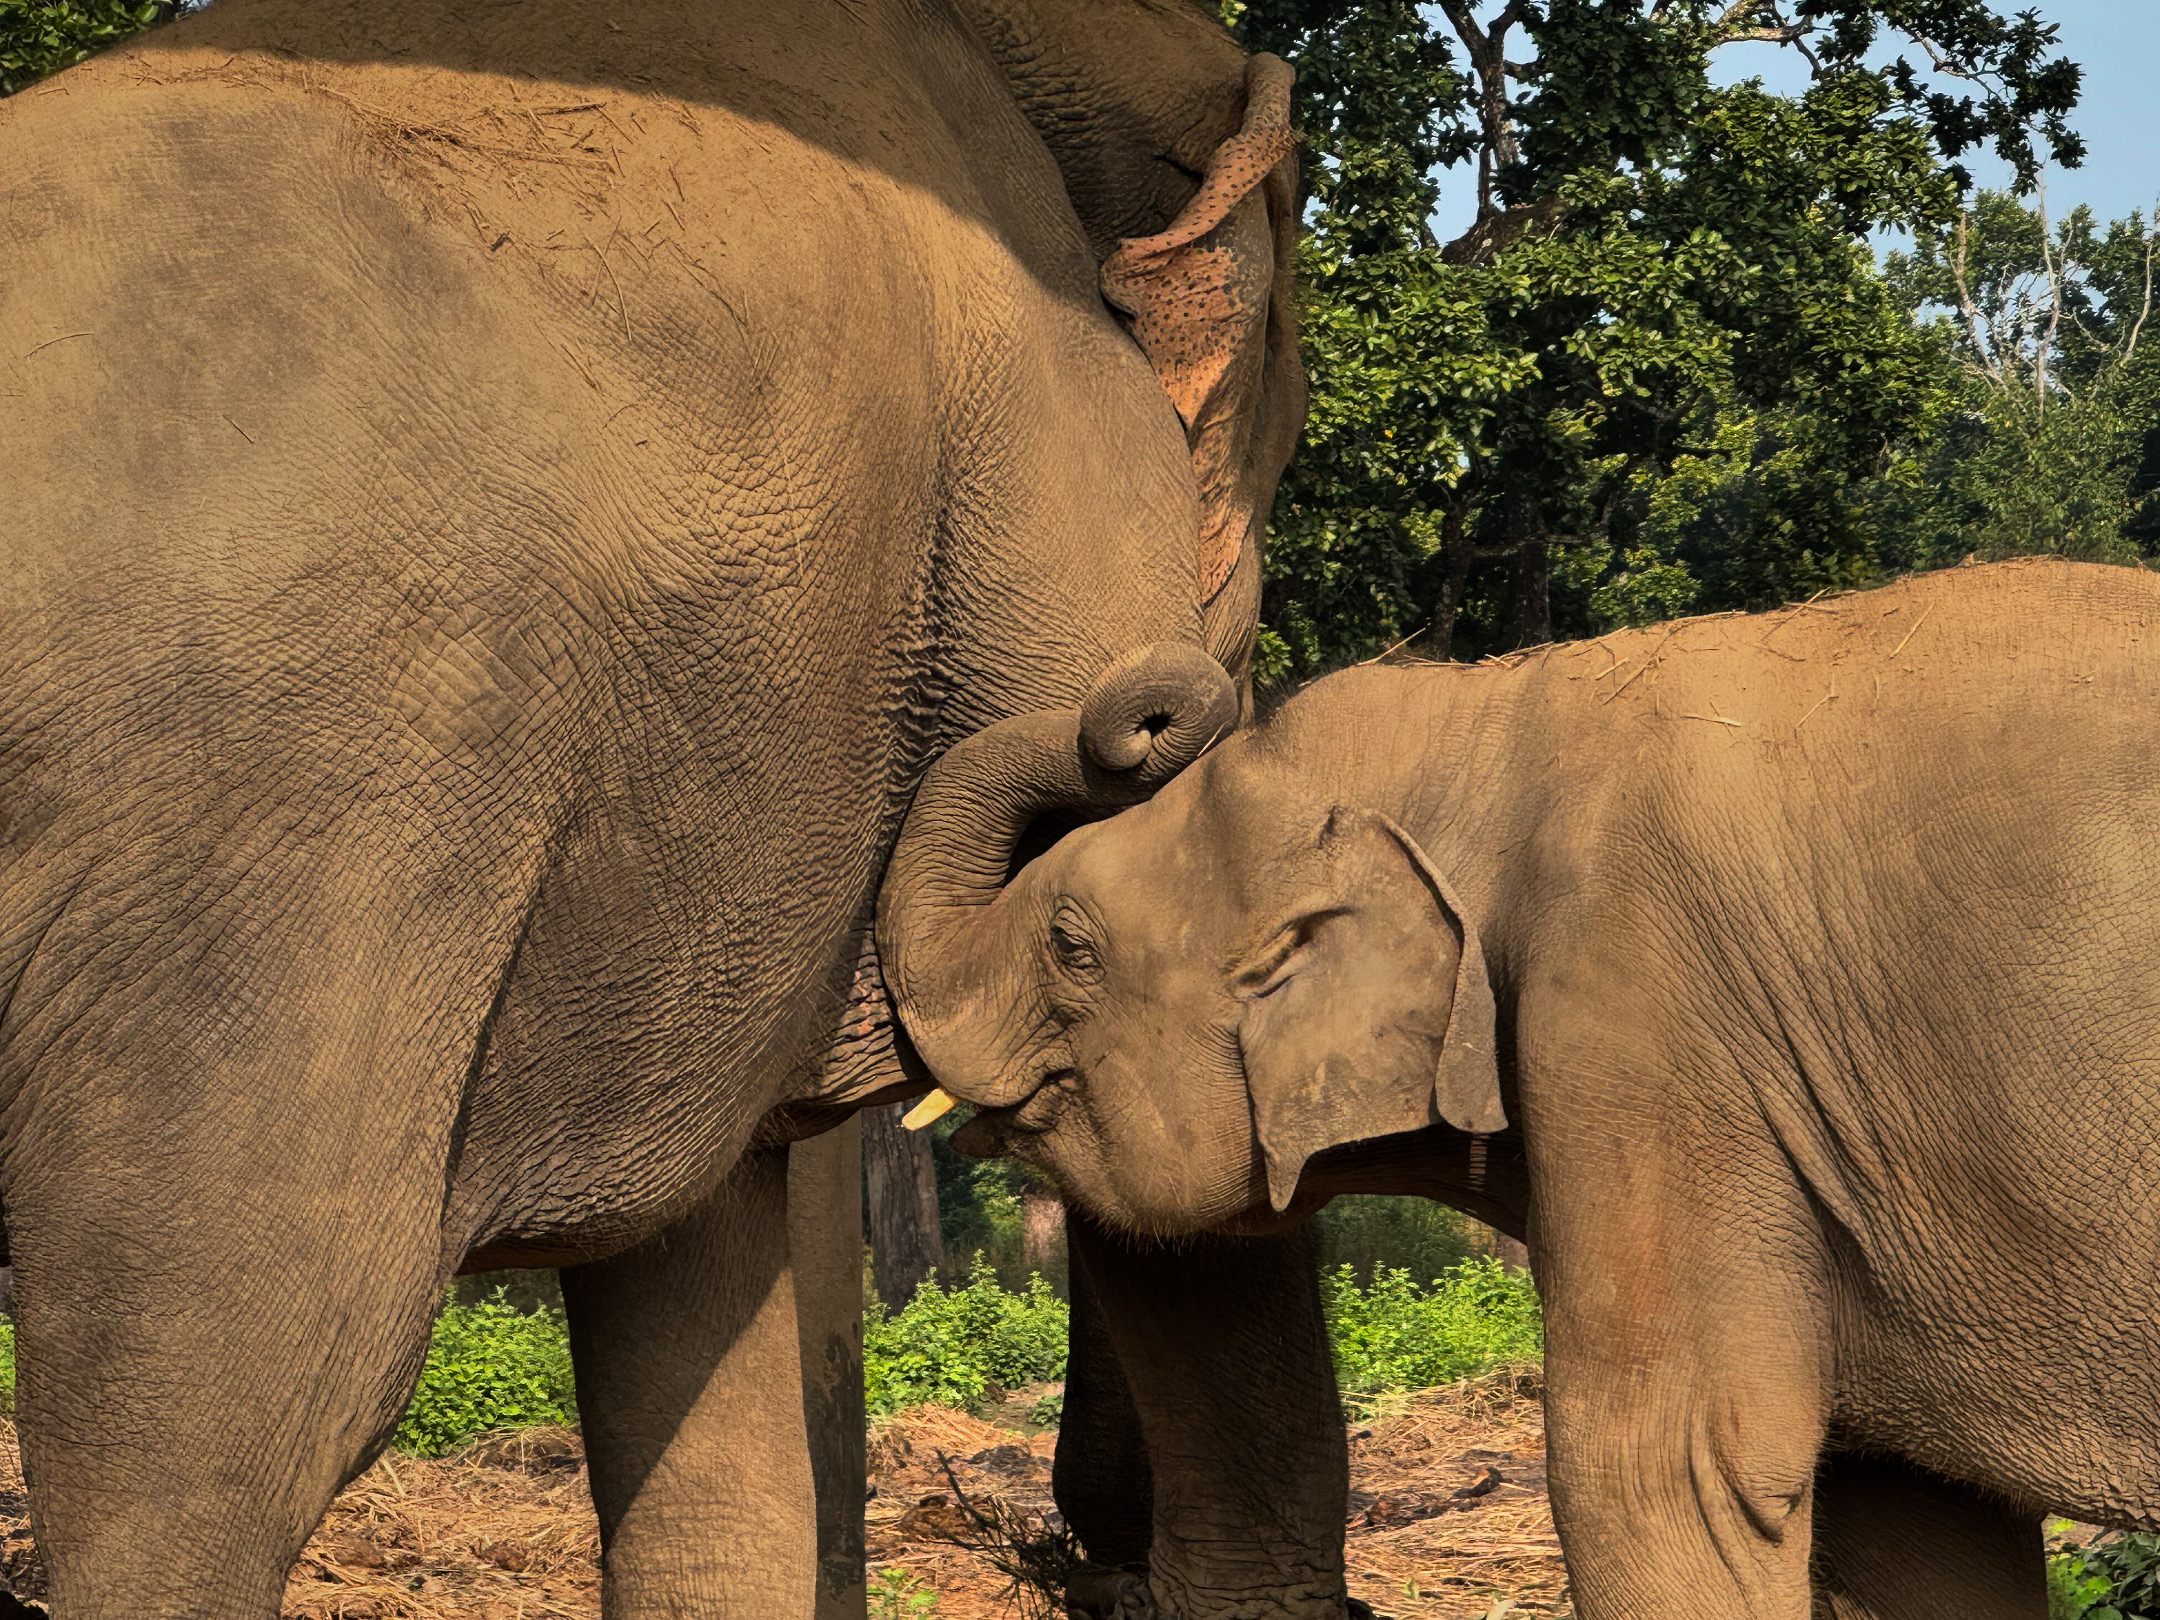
x=1447 y=1518
x=1448 y=1512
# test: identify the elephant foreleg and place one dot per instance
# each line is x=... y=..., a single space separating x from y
x=1247 y=1516
x=1686 y=1404
x=1102 y=1480
x=1895 y=1543
x=689 y=1372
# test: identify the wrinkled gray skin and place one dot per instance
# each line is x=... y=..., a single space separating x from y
x=499 y=506
x=1807 y=954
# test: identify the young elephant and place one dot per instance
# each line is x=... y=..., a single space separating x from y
x=1812 y=955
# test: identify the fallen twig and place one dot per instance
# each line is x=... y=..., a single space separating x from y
x=49 y=342
x=1914 y=631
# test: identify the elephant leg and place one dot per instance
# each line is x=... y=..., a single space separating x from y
x=1226 y=1360
x=825 y=1254
x=210 y=1344
x=1893 y=1542
x=1102 y=1480
x=689 y=1371
x=1685 y=1406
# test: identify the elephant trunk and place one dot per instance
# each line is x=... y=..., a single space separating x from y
x=942 y=937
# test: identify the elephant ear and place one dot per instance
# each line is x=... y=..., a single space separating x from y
x=1369 y=1013
x=1210 y=304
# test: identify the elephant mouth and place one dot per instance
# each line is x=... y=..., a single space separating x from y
x=994 y=1132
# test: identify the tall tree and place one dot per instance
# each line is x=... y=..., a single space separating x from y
x=901 y=1213
x=1651 y=257
x=2053 y=331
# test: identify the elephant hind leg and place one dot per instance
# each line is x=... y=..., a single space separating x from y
x=1893 y=1542
x=194 y=1385
x=224 y=1181
x=690 y=1385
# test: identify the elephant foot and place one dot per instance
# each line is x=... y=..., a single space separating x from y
x=1096 y=1593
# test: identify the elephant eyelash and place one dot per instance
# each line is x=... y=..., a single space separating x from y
x=1070 y=944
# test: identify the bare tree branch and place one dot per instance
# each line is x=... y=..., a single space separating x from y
x=1501 y=147
x=2055 y=303
x=2130 y=346
x=1944 y=65
x=1981 y=333
x=1761 y=22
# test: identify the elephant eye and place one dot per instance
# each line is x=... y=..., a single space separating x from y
x=1071 y=945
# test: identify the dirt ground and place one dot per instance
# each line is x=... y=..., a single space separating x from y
x=1447 y=1520
x=1447 y=1515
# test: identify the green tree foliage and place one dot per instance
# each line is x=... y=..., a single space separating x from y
x=1397 y=1335
x=2058 y=386
x=952 y=1347
x=38 y=37
x=1666 y=281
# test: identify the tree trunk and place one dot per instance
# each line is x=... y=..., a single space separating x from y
x=1530 y=622
x=905 y=1245
x=1455 y=580
x=1042 y=1229
x=1530 y=593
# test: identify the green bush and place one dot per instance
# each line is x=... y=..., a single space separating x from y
x=489 y=1366
x=7 y=1365
x=1396 y=1335
x=2113 y=1577
x=901 y=1594
x=948 y=1347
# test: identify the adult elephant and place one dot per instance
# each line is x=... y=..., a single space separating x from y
x=500 y=506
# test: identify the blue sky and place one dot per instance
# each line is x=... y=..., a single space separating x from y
x=2117 y=42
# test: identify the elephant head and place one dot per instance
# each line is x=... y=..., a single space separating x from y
x=1172 y=1010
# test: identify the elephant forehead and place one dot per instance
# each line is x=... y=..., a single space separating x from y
x=1149 y=857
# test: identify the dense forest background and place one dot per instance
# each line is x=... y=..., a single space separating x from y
x=1703 y=346
x=1666 y=370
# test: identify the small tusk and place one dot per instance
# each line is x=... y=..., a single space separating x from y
x=932 y=1107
